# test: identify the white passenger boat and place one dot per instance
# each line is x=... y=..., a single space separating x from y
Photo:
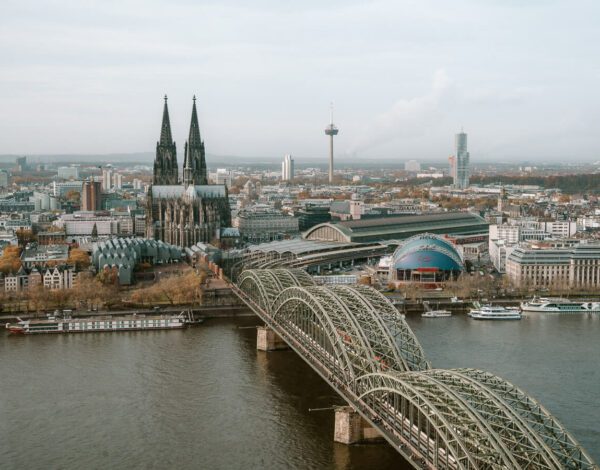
x=98 y=324
x=489 y=312
x=557 y=305
x=436 y=314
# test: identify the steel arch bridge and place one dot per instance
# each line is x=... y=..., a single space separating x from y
x=436 y=418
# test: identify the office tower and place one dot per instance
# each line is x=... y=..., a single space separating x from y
x=461 y=175
x=3 y=179
x=91 y=196
x=21 y=164
x=287 y=168
x=118 y=181
x=106 y=179
x=331 y=130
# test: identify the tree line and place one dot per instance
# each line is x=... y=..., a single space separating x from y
x=575 y=183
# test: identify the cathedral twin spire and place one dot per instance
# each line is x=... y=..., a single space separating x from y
x=165 y=164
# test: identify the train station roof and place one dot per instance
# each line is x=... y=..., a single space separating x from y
x=298 y=246
x=399 y=227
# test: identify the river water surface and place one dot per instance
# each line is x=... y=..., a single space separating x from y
x=205 y=398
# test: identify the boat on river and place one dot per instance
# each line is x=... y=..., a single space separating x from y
x=490 y=312
x=98 y=324
x=558 y=305
x=437 y=314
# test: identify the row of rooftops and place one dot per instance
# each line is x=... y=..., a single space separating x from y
x=120 y=242
x=34 y=252
x=22 y=271
x=175 y=191
x=563 y=251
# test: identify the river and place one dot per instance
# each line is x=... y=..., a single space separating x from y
x=205 y=398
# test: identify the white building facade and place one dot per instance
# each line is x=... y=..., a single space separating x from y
x=558 y=264
x=287 y=168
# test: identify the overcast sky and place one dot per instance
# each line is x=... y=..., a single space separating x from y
x=522 y=77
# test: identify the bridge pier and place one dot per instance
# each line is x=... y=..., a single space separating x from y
x=268 y=340
x=350 y=427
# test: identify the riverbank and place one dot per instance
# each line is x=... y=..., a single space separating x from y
x=206 y=312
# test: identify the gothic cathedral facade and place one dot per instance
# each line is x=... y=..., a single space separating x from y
x=184 y=211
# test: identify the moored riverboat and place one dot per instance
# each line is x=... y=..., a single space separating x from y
x=489 y=312
x=557 y=305
x=98 y=324
x=437 y=314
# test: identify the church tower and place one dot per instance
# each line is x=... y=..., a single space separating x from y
x=187 y=211
x=194 y=151
x=165 y=163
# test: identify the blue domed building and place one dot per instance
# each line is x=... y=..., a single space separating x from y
x=426 y=258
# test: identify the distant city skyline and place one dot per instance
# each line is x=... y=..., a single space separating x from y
x=219 y=161
x=89 y=79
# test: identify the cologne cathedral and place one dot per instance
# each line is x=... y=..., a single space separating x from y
x=187 y=211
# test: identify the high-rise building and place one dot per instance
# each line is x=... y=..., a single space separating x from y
x=3 y=179
x=21 y=164
x=461 y=176
x=91 y=196
x=106 y=179
x=137 y=184
x=118 y=181
x=287 y=168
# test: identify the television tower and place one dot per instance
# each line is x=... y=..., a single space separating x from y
x=331 y=130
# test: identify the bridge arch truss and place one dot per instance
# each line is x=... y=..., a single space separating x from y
x=441 y=418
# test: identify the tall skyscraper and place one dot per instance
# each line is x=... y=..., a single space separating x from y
x=3 y=179
x=287 y=168
x=22 y=164
x=331 y=130
x=461 y=173
x=91 y=196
